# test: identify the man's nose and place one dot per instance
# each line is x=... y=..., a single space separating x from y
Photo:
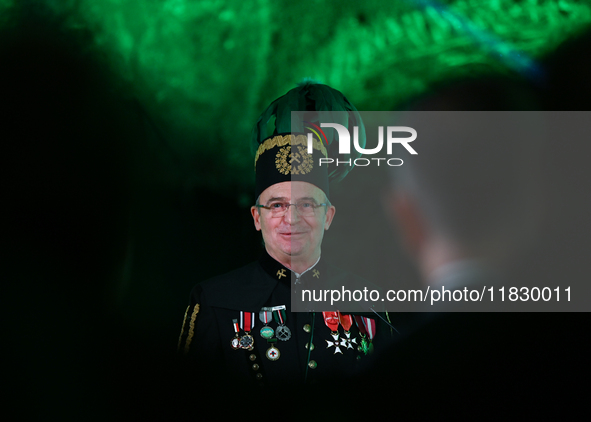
x=291 y=215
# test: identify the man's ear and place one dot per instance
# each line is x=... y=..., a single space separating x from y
x=256 y=216
x=404 y=211
x=330 y=212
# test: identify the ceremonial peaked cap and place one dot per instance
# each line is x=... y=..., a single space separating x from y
x=281 y=150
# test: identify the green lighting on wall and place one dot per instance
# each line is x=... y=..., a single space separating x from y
x=204 y=70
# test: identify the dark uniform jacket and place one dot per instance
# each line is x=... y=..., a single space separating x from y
x=208 y=329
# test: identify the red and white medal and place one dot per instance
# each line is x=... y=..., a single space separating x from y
x=235 y=342
x=272 y=353
x=247 y=324
x=331 y=320
x=347 y=321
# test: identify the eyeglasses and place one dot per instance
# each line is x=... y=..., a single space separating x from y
x=305 y=208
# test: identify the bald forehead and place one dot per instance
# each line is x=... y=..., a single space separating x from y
x=292 y=191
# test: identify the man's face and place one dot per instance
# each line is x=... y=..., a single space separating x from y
x=292 y=236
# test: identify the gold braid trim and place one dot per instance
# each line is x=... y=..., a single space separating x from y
x=390 y=322
x=191 y=327
x=282 y=140
x=178 y=347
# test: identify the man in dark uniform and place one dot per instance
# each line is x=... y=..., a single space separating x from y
x=242 y=321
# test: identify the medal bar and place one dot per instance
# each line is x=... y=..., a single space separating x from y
x=247 y=324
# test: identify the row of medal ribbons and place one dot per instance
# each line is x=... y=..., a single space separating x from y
x=332 y=320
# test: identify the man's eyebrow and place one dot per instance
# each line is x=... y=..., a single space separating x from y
x=277 y=198
x=284 y=199
x=307 y=198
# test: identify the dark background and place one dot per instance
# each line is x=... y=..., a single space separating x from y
x=128 y=168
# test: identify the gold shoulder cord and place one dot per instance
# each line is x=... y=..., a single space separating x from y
x=178 y=347
x=191 y=328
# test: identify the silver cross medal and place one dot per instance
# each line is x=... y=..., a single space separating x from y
x=334 y=343
x=347 y=342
